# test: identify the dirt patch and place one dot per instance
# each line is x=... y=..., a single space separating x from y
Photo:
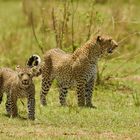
x=59 y=133
x=129 y=78
x=132 y=78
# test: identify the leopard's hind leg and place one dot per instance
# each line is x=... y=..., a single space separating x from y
x=63 y=90
x=46 y=80
x=81 y=92
x=45 y=87
x=11 y=105
x=7 y=105
x=31 y=103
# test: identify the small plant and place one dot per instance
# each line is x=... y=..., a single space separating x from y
x=136 y=98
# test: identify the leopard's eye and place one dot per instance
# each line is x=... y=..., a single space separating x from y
x=29 y=74
x=21 y=74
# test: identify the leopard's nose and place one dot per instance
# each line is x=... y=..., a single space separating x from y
x=116 y=45
x=110 y=50
x=25 y=81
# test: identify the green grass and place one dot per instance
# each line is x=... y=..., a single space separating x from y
x=117 y=100
x=116 y=117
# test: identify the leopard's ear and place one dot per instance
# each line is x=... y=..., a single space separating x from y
x=99 y=38
x=17 y=68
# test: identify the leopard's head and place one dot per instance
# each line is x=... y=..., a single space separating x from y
x=106 y=44
x=25 y=76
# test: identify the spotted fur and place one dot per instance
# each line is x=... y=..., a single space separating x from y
x=18 y=84
x=78 y=68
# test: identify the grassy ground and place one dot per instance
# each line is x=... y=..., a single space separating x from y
x=116 y=117
x=118 y=99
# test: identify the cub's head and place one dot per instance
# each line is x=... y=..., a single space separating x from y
x=25 y=76
x=106 y=44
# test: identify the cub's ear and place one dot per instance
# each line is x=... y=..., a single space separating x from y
x=17 y=68
x=110 y=39
x=99 y=38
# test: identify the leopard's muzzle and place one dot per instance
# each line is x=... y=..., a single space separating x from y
x=113 y=46
x=25 y=82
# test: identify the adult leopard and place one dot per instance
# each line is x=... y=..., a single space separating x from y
x=78 y=67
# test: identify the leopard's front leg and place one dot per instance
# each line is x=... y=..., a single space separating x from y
x=7 y=105
x=31 y=103
x=89 y=92
x=45 y=84
x=12 y=104
x=81 y=92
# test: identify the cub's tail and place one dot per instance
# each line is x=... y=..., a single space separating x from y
x=33 y=60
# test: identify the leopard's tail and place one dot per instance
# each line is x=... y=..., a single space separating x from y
x=33 y=60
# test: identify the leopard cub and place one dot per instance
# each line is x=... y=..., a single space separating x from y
x=18 y=84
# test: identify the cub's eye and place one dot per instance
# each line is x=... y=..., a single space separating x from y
x=21 y=74
x=29 y=74
x=110 y=40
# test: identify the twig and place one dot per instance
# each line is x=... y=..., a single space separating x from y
x=34 y=33
x=54 y=28
x=72 y=27
x=72 y=22
x=90 y=21
x=65 y=16
x=130 y=35
x=60 y=38
x=113 y=23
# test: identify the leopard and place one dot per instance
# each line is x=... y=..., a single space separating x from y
x=18 y=84
x=78 y=68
